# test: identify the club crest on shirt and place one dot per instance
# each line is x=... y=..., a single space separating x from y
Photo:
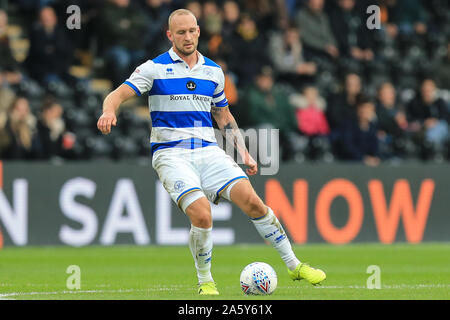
x=190 y=85
x=208 y=72
x=179 y=186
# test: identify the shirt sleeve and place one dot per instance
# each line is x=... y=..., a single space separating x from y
x=141 y=80
x=219 y=99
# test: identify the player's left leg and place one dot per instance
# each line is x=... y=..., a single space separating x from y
x=266 y=223
x=223 y=178
x=270 y=229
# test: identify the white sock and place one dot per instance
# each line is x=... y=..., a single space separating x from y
x=200 y=243
x=271 y=230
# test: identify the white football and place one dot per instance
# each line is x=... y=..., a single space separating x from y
x=258 y=278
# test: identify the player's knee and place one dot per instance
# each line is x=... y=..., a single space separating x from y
x=255 y=207
x=199 y=212
x=202 y=220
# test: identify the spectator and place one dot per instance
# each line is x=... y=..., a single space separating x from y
x=311 y=120
x=81 y=38
x=232 y=94
x=157 y=12
x=268 y=104
x=28 y=8
x=212 y=27
x=7 y=97
x=230 y=90
x=342 y=106
x=268 y=14
x=359 y=137
x=403 y=16
x=212 y=17
x=388 y=17
x=442 y=70
x=53 y=141
x=17 y=138
x=411 y=17
x=316 y=31
x=50 y=51
x=248 y=53
x=196 y=8
x=9 y=68
x=122 y=26
x=392 y=122
x=310 y=112
x=287 y=57
x=350 y=32
x=430 y=115
x=268 y=107
x=231 y=14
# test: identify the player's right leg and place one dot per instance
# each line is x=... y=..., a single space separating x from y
x=200 y=241
x=183 y=184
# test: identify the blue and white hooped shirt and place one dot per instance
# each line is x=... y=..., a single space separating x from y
x=180 y=99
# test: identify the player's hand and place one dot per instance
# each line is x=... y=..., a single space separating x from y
x=251 y=164
x=105 y=122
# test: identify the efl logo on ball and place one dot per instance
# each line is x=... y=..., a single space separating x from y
x=258 y=278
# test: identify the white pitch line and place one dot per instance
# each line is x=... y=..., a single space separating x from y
x=8 y=296
x=397 y=286
x=33 y=293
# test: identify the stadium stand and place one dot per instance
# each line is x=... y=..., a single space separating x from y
x=300 y=66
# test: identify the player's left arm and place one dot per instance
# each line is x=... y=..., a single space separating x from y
x=230 y=130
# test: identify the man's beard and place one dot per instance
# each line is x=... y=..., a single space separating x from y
x=187 y=53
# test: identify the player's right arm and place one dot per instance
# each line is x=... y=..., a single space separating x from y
x=140 y=81
x=110 y=106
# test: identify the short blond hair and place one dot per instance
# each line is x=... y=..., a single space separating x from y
x=179 y=12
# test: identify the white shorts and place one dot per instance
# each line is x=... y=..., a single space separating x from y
x=208 y=170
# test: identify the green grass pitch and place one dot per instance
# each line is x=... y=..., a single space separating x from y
x=152 y=272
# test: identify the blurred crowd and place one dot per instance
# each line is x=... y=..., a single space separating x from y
x=337 y=89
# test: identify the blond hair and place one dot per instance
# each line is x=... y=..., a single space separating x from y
x=179 y=12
